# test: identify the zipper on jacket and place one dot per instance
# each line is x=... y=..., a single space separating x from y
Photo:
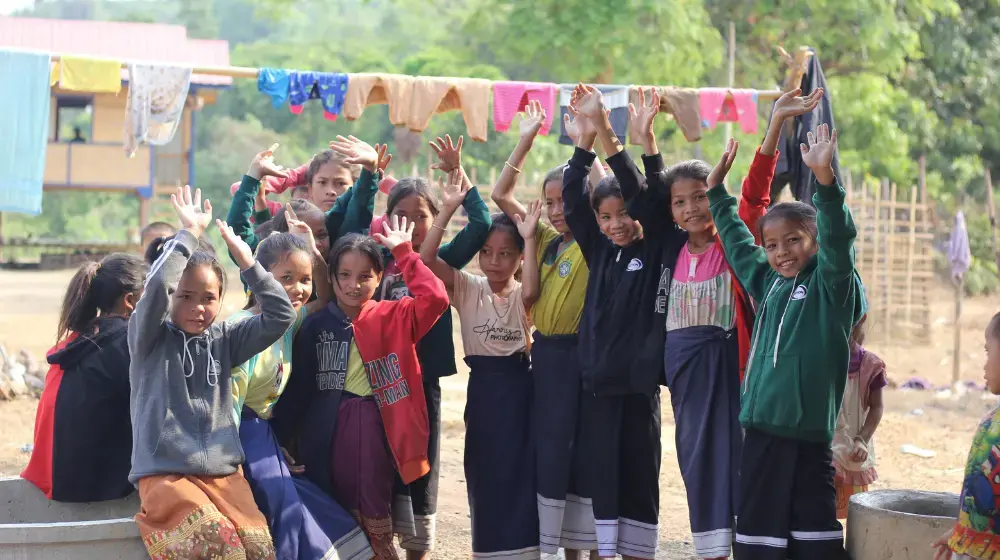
x=753 y=352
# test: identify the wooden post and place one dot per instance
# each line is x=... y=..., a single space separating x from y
x=875 y=300
x=992 y=211
x=923 y=179
x=890 y=264
x=957 y=366
x=145 y=208
x=911 y=249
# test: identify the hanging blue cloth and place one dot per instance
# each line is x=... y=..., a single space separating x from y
x=24 y=120
x=329 y=88
x=274 y=82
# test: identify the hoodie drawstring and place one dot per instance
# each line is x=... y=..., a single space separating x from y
x=211 y=374
x=777 y=342
x=756 y=336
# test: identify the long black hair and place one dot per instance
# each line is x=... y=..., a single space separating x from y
x=359 y=243
x=96 y=289
x=411 y=186
x=798 y=213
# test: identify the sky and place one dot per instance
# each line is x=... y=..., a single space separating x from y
x=9 y=6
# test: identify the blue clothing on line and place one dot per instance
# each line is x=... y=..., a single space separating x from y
x=329 y=88
x=24 y=87
x=275 y=83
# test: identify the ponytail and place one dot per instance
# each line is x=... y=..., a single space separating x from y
x=96 y=289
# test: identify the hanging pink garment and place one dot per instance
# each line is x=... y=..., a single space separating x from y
x=725 y=105
x=510 y=98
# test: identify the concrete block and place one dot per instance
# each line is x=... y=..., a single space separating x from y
x=34 y=527
x=898 y=524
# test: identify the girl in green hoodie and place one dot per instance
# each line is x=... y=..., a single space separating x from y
x=810 y=297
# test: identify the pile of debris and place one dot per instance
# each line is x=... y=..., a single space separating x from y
x=20 y=376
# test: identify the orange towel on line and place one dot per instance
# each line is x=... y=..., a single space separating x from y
x=681 y=103
x=364 y=90
x=440 y=95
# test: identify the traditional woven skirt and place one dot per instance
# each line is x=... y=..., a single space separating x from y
x=194 y=518
x=844 y=492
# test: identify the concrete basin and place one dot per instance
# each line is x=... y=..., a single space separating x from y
x=898 y=524
x=32 y=526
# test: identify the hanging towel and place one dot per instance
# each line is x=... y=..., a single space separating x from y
x=24 y=88
x=274 y=82
x=615 y=99
x=91 y=75
x=729 y=105
x=364 y=90
x=440 y=95
x=959 y=254
x=155 y=106
x=330 y=89
x=680 y=103
x=510 y=98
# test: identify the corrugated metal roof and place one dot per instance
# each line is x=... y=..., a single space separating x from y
x=146 y=42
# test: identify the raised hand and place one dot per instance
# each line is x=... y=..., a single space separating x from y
x=641 y=118
x=818 y=155
x=384 y=157
x=238 y=248
x=263 y=165
x=356 y=152
x=577 y=125
x=396 y=233
x=588 y=101
x=721 y=169
x=300 y=229
x=793 y=104
x=193 y=216
x=528 y=225
x=455 y=189
x=449 y=154
x=533 y=119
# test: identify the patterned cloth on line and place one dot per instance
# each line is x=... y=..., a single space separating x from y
x=155 y=106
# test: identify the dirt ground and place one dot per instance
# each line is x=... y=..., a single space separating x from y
x=29 y=306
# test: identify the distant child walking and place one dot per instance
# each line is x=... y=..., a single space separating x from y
x=186 y=452
x=803 y=276
x=860 y=414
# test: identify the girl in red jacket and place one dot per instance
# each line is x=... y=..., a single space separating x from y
x=354 y=413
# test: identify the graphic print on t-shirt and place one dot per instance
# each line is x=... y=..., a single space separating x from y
x=493 y=333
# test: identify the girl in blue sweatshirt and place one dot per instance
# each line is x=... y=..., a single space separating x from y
x=809 y=298
x=186 y=452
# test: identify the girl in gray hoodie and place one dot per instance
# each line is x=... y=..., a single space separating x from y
x=186 y=453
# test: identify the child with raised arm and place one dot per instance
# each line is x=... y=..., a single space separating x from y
x=354 y=406
x=564 y=519
x=186 y=452
x=499 y=447
x=411 y=198
x=802 y=276
x=621 y=333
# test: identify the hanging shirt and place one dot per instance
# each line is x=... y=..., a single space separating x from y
x=356 y=380
x=563 y=275
x=258 y=382
x=701 y=292
x=491 y=325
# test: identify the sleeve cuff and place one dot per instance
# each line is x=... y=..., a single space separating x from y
x=249 y=185
x=472 y=199
x=368 y=180
x=764 y=158
x=583 y=158
x=829 y=193
x=402 y=250
x=653 y=164
x=718 y=193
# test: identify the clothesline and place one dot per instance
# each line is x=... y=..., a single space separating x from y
x=253 y=73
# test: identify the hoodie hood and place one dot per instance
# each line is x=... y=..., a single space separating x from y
x=81 y=347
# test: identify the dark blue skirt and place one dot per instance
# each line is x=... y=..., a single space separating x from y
x=305 y=522
x=703 y=374
x=500 y=457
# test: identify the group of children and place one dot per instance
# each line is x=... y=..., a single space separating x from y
x=308 y=424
